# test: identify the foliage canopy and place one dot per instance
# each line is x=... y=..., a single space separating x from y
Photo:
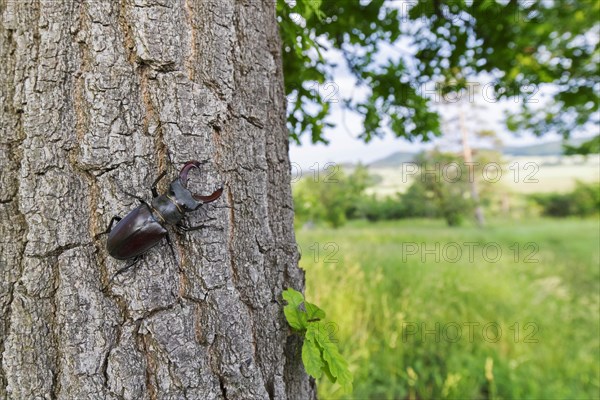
x=395 y=48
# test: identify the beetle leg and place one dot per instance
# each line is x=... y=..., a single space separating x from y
x=153 y=187
x=185 y=228
x=110 y=224
x=137 y=197
x=170 y=243
x=122 y=270
x=127 y=267
x=181 y=228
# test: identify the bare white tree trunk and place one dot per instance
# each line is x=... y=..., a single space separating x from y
x=468 y=157
x=97 y=97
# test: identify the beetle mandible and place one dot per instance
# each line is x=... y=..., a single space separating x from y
x=145 y=226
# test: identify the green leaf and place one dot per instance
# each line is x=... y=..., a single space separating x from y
x=313 y=312
x=319 y=354
x=591 y=146
x=293 y=311
x=311 y=357
x=328 y=372
x=337 y=365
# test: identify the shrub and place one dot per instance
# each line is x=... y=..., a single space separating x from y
x=583 y=201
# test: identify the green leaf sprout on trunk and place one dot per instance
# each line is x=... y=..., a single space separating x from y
x=319 y=354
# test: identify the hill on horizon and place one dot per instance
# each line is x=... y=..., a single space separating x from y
x=554 y=148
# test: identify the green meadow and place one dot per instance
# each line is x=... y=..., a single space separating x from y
x=422 y=311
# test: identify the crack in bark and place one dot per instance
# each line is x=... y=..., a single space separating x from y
x=58 y=250
x=151 y=115
x=223 y=387
x=14 y=151
x=151 y=363
x=190 y=60
x=57 y=371
x=252 y=120
x=128 y=41
x=231 y=234
x=104 y=366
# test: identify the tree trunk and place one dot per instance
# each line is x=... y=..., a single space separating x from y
x=98 y=97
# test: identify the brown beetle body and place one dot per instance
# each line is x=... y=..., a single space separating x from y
x=135 y=234
x=145 y=226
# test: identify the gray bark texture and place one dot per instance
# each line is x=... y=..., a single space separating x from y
x=97 y=98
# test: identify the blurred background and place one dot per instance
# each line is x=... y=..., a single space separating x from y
x=445 y=174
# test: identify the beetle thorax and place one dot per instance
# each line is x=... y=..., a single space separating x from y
x=166 y=210
x=171 y=206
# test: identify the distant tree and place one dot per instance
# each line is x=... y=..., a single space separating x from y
x=443 y=184
x=583 y=201
x=417 y=202
x=333 y=198
x=464 y=125
x=586 y=199
x=591 y=146
x=374 y=208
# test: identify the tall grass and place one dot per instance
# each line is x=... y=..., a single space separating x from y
x=398 y=315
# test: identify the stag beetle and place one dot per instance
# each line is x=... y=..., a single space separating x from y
x=144 y=227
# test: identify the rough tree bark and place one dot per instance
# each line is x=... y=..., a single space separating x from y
x=98 y=97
